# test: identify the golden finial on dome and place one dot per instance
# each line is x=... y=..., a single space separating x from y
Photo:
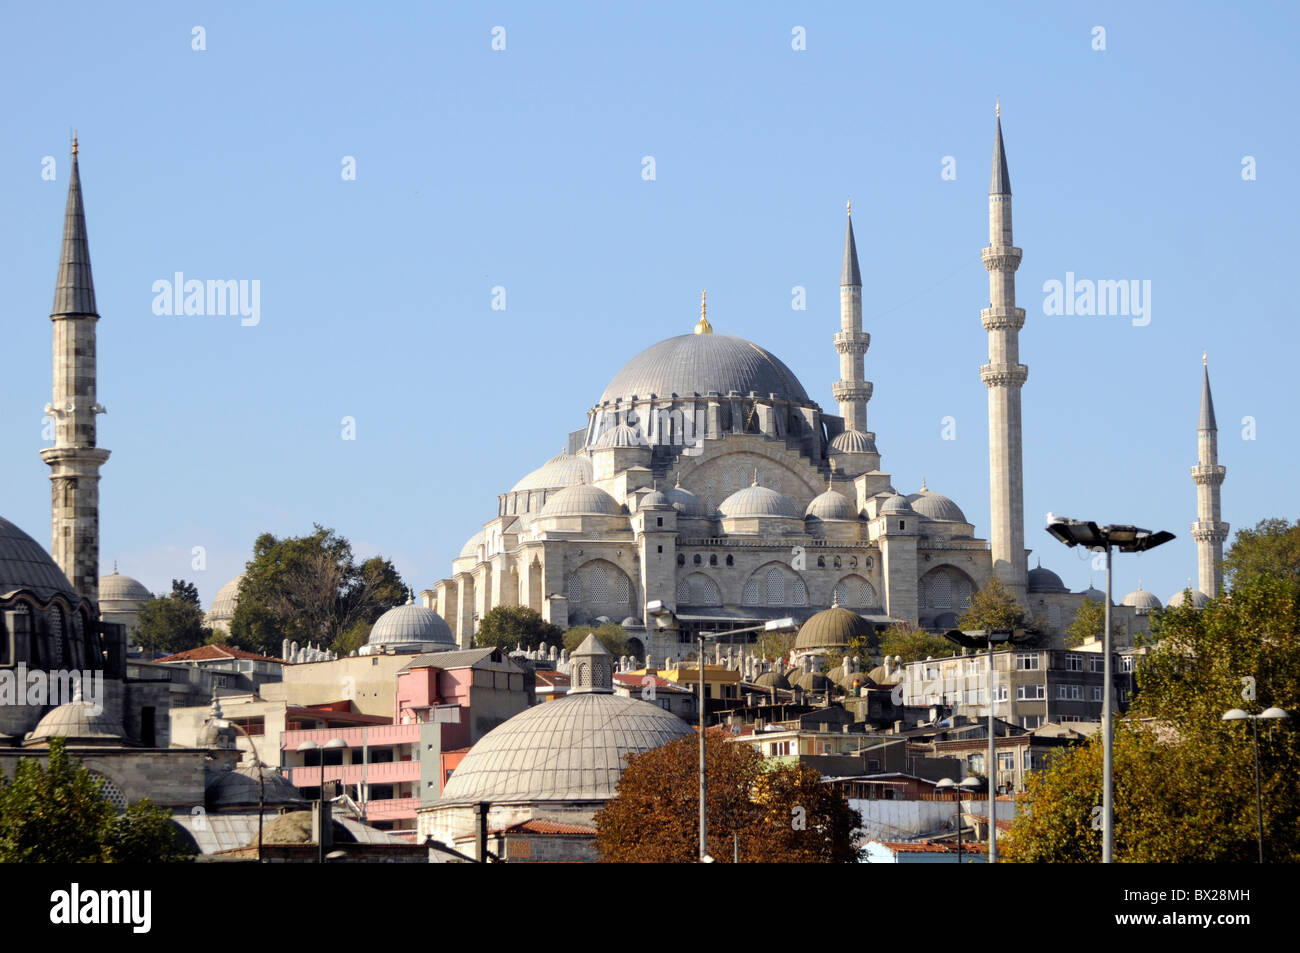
x=702 y=326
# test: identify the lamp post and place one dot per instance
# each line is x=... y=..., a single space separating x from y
x=261 y=776
x=987 y=638
x=1127 y=539
x=332 y=744
x=1268 y=714
x=948 y=784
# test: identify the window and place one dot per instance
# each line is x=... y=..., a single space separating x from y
x=1031 y=721
x=696 y=559
x=1098 y=664
x=731 y=561
x=1096 y=693
x=1027 y=663
x=1061 y=693
x=1074 y=663
x=975 y=764
x=681 y=559
x=661 y=520
x=713 y=559
x=1126 y=663
x=1002 y=693
x=1030 y=693
x=1007 y=761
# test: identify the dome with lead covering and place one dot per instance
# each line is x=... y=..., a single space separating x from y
x=226 y=599
x=1140 y=599
x=1199 y=599
x=697 y=364
x=936 y=506
x=757 y=501
x=559 y=471
x=118 y=588
x=24 y=564
x=896 y=504
x=831 y=505
x=1044 y=580
x=621 y=436
x=80 y=722
x=687 y=504
x=410 y=623
x=581 y=501
x=833 y=628
x=852 y=441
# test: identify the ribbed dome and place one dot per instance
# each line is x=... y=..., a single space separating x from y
x=773 y=680
x=410 y=623
x=1139 y=598
x=570 y=749
x=1095 y=594
x=24 y=564
x=687 y=503
x=241 y=787
x=832 y=628
x=692 y=364
x=654 y=499
x=227 y=597
x=119 y=588
x=812 y=682
x=581 y=501
x=79 y=723
x=1199 y=599
x=853 y=441
x=621 y=436
x=757 y=501
x=563 y=470
x=896 y=504
x=936 y=506
x=831 y=505
x=1044 y=580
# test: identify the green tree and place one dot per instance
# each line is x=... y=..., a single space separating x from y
x=1090 y=623
x=913 y=644
x=775 y=645
x=310 y=589
x=59 y=814
x=1271 y=548
x=172 y=623
x=993 y=607
x=610 y=634
x=508 y=626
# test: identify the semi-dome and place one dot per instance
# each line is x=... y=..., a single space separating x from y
x=1140 y=599
x=118 y=588
x=831 y=505
x=471 y=545
x=852 y=441
x=687 y=503
x=757 y=501
x=581 y=501
x=562 y=470
x=1199 y=599
x=227 y=597
x=697 y=364
x=24 y=564
x=832 y=628
x=621 y=436
x=936 y=506
x=410 y=623
x=896 y=504
x=1044 y=580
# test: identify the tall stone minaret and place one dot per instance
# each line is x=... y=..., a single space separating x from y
x=852 y=390
x=74 y=459
x=1004 y=375
x=1208 y=476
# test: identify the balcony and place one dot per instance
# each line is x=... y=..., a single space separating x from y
x=393 y=772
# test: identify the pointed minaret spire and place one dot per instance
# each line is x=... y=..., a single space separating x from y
x=853 y=390
x=74 y=460
x=1004 y=376
x=1208 y=531
x=850 y=276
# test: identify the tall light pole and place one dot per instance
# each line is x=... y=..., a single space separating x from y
x=1127 y=539
x=946 y=785
x=261 y=776
x=1268 y=714
x=331 y=745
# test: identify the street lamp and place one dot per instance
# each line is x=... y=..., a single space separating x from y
x=987 y=638
x=1268 y=714
x=1127 y=539
x=261 y=776
x=948 y=784
x=332 y=744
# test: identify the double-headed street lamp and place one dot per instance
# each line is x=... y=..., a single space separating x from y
x=1268 y=714
x=1127 y=539
x=332 y=744
x=969 y=785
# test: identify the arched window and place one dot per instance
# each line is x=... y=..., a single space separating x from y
x=836 y=562
x=854 y=592
x=681 y=559
x=713 y=559
x=798 y=593
x=697 y=559
x=575 y=589
x=750 y=597
x=683 y=592
x=622 y=592
x=775 y=587
x=821 y=562
x=731 y=561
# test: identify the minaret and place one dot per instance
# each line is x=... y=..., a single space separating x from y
x=852 y=390
x=1004 y=375
x=74 y=459
x=1208 y=476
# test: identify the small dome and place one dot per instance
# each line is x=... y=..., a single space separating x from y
x=241 y=787
x=24 y=564
x=410 y=623
x=1093 y=593
x=1139 y=598
x=687 y=503
x=79 y=723
x=773 y=680
x=471 y=546
x=757 y=501
x=559 y=471
x=832 y=628
x=1044 y=580
x=852 y=441
x=631 y=622
x=581 y=501
x=654 y=499
x=227 y=597
x=1199 y=599
x=119 y=588
x=831 y=505
x=812 y=682
x=936 y=506
x=896 y=504
x=621 y=436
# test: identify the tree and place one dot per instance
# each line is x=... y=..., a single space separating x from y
x=784 y=814
x=310 y=589
x=610 y=634
x=1090 y=623
x=59 y=814
x=913 y=644
x=1184 y=779
x=993 y=607
x=172 y=623
x=1272 y=548
x=508 y=626
x=776 y=645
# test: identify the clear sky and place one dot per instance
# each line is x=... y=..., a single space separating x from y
x=523 y=168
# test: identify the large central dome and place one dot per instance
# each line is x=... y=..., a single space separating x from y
x=695 y=364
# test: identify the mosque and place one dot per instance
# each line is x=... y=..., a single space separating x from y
x=708 y=482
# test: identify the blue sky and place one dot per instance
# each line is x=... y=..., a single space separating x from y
x=522 y=168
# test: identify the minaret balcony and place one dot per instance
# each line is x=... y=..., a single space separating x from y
x=1002 y=319
x=1001 y=257
x=852 y=342
x=1208 y=475
x=849 y=391
x=1209 y=532
x=1004 y=375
